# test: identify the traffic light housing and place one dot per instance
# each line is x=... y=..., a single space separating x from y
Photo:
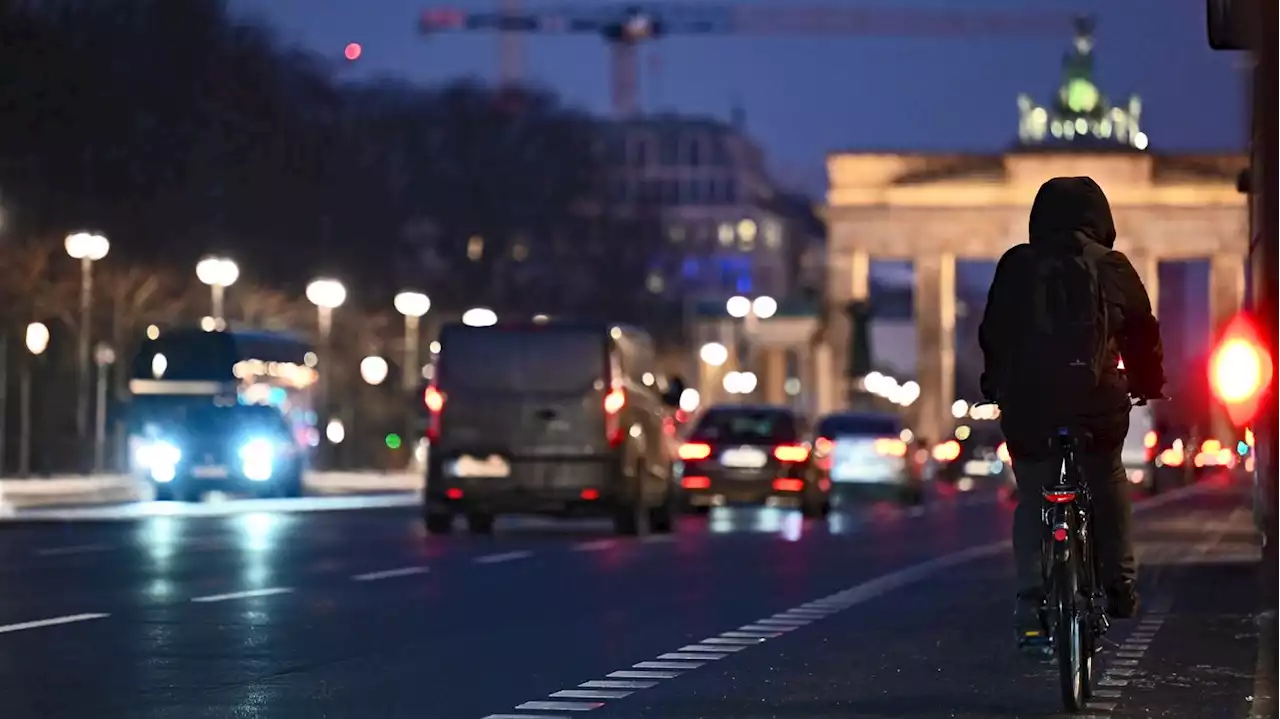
x=1240 y=370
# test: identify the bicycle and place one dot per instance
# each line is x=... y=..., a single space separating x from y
x=1072 y=612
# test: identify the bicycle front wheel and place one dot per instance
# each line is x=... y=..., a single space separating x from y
x=1068 y=634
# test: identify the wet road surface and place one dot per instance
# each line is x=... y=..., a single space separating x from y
x=878 y=611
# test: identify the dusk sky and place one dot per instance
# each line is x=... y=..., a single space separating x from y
x=805 y=97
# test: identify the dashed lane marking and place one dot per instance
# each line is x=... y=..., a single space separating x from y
x=595 y=545
x=713 y=649
x=247 y=594
x=52 y=622
x=390 y=574
x=503 y=557
x=77 y=549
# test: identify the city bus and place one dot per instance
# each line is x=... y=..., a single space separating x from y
x=230 y=411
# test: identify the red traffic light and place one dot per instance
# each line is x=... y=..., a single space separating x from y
x=1240 y=370
x=353 y=51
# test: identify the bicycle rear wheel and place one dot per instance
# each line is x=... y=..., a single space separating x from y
x=1070 y=645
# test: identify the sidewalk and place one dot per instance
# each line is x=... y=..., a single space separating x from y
x=65 y=490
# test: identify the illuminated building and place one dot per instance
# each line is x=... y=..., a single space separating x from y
x=1080 y=113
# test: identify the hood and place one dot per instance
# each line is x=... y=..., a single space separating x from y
x=1068 y=209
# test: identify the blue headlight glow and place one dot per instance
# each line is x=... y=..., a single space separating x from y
x=257 y=459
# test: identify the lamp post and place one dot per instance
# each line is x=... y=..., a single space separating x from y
x=219 y=273
x=88 y=248
x=413 y=305
x=105 y=357
x=327 y=295
x=749 y=311
x=37 y=341
x=374 y=370
x=713 y=356
x=479 y=317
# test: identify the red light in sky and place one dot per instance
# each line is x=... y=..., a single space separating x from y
x=353 y=51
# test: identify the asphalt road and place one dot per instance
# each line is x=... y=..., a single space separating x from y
x=879 y=611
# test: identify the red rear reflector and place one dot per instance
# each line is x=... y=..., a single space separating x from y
x=791 y=453
x=453 y=493
x=696 y=482
x=692 y=451
x=590 y=494
x=788 y=485
x=1060 y=534
x=1060 y=497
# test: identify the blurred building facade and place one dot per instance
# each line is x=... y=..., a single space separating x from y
x=732 y=229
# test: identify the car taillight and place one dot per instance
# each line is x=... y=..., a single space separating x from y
x=947 y=451
x=791 y=453
x=1240 y=370
x=434 y=401
x=822 y=446
x=694 y=451
x=891 y=448
x=613 y=404
x=1003 y=453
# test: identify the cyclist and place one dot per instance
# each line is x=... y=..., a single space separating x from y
x=1062 y=309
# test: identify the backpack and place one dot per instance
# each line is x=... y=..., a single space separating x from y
x=1065 y=350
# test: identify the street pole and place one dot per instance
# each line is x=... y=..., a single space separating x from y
x=217 y=290
x=100 y=421
x=4 y=396
x=82 y=368
x=411 y=339
x=24 y=420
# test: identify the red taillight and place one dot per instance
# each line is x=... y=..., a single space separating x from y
x=791 y=453
x=695 y=482
x=453 y=493
x=788 y=485
x=591 y=494
x=1240 y=370
x=822 y=446
x=615 y=401
x=1003 y=453
x=1059 y=497
x=434 y=401
x=694 y=451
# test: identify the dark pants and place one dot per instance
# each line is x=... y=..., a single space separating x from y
x=1104 y=473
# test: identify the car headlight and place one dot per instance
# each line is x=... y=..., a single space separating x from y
x=257 y=459
x=161 y=459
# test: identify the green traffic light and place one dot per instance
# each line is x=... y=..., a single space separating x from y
x=393 y=441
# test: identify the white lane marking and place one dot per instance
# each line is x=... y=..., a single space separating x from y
x=658 y=538
x=526 y=716
x=53 y=622
x=389 y=573
x=1124 y=662
x=590 y=694
x=77 y=549
x=692 y=656
x=561 y=706
x=247 y=594
x=594 y=545
x=617 y=684
x=763 y=630
x=502 y=557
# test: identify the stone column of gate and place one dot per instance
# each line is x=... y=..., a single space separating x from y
x=1226 y=298
x=1148 y=266
x=935 y=316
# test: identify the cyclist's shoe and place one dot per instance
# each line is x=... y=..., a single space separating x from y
x=1122 y=600
x=1028 y=622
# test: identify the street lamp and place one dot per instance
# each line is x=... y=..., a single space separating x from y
x=219 y=273
x=88 y=248
x=479 y=317
x=764 y=307
x=373 y=370
x=413 y=305
x=37 y=339
x=327 y=294
x=714 y=354
x=738 y=306
x=104 y=356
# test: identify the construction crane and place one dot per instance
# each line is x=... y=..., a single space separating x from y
x=625 y=27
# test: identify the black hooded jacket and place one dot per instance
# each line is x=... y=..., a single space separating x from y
x=1069 y=212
